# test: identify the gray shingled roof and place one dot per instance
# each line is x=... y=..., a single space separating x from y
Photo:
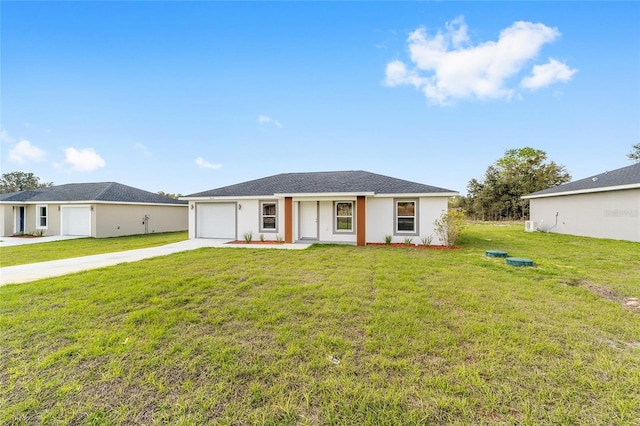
x=322 y=182
x=625 y=176
x=101 y=191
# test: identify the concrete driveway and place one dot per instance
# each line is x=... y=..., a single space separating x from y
x=55 y=268
x=19 y=241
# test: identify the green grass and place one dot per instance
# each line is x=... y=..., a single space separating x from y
x=54 y=250
x=231 y=336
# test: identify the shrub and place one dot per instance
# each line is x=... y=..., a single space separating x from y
x=407 y=241
x=387 y=239
x=427 y=240
x=449 y=226
x=262 y=237
x=279 y=238
x=248 y=236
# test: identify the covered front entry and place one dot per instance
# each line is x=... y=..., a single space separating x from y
x=76 y=220
x=216 y=220
x=308 y=212
x=18 y=222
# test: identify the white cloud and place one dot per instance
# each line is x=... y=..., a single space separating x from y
x=23 y=152
x=448 y=66
x=84 y=160
x=263 y=119
x=4 y=137
x=141 y=148
x=547 y=74
x=201 y=162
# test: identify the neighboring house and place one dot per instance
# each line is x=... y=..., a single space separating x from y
x=355 y=207
x=603 y=206
x=100 y=210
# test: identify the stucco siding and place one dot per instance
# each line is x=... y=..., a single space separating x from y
x=380 y=219
x=613 y=214
x=6 y=220
x=113 y=220
x=249 y=217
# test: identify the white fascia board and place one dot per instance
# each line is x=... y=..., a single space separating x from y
x=584 y=191
x=418 y=195
x=316 y=195
x=231 y=198
x=87 y=202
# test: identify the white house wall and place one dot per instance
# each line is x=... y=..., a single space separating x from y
x=114 y=220
x=380 y=219
x=249 y=219
x=6 y=220
x=613 y=214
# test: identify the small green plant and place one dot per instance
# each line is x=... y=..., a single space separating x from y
x=387 y=239
x=248 y=236
x=262 y=237
x=449 y=226
x=279 y=238
x=38 y=233
x=407 y=241
x=427 y=240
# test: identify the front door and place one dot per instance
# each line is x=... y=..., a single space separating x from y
x=308 y=220
x=19 y=220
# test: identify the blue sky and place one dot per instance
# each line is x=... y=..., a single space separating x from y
x=183 y=97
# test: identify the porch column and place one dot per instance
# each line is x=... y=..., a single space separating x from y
x=288 y=219
x=361 y=223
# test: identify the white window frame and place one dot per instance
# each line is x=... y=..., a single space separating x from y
x=352 y=216
x=263 y=216
x=396 y=217
x=39 y=216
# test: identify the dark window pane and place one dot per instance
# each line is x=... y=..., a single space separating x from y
x=269 y=223
x=344 y=224
x=344 y=209
x=406 y=208
x=406 y=224
x=269 y=209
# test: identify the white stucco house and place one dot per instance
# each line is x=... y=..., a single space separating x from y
x=355 y=207
x=606 y=205
x=99 y=210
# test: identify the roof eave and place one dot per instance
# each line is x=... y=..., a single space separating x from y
x=583 y=191
x=419 y=194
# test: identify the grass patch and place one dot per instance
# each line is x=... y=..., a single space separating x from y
x=65 y=249
x=245 y=337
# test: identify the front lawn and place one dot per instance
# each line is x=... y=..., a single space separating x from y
x=333 y=335
x=54 y=250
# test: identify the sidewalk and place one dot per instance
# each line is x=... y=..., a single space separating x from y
x=55 y=268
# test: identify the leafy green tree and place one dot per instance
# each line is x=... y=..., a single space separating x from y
x=20 y=181
x=634 y=155
x=170 y=195
x=519 y=172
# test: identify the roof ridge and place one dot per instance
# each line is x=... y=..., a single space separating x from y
x=106 y=188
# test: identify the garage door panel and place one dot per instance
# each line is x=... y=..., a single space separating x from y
x=76 y=221
x=216 y=221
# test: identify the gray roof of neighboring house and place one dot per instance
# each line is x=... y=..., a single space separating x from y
x=322 y=182
x=101 y=191
x=624 y=176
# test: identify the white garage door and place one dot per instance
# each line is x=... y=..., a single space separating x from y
x=76 y=220
x=216 y=221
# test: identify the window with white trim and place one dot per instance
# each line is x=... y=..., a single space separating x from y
x=343 y=216
x=406 y=217
x=42 y=217
x=268 y=216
